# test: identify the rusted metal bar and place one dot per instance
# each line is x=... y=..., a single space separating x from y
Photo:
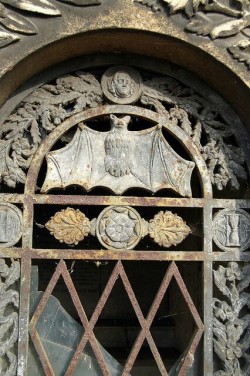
x=23 y=338
x=42 y=353
x=172 y=271
x=23 y=332
x=14 y=198
x=229 y=256
x=87 y=326
x=11 y=252
x=226 y=203
x=90 y=326
x=144 y=255
x=117 y=200
x=39 y=310
x=187 y=361
x=208 y=291
x=145 y=331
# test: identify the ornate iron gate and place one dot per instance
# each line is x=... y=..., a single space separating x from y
x=165 y=147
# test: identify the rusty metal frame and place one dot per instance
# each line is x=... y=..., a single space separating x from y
x=88 y=335
x=206 y=255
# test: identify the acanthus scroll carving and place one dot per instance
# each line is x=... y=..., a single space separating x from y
x=9 y=303
x=51 y=104
x=231 y=320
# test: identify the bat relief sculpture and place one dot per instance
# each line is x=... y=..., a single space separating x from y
x=119 y=159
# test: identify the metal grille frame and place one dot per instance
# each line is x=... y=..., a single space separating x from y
x=207 y=256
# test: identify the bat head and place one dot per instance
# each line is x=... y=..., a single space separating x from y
x=119 y=123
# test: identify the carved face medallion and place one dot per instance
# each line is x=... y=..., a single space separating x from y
x=119 y=227
x=10 y=225
x=121 y=85
x=231 y=229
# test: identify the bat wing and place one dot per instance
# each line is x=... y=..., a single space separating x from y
x=72 y=164
x=168 y=169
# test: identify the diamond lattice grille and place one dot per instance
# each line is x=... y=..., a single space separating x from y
x=88 y=325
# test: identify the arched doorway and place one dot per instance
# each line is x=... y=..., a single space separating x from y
x=124 y=180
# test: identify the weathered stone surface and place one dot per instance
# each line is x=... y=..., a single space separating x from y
x=10 y=225
x=122 y=85
x=231 y=322
x=9 y=303
x=124 y=160
x=119 y=227
x=231 y=229
x=51 y=104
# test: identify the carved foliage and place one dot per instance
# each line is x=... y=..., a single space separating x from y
x=18 y=24
x=118 y=227
x=231 y=321
x=9 y=302
x=180 y=105
x=37 y=116
x=203 y=124
x=216 y=19
x=168 y=229
x=69 y=226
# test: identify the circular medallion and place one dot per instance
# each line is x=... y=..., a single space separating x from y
x=10 y=225
x=121 y=85
x=119 y=227
x=231 y=229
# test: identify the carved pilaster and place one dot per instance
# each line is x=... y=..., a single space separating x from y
x=9 y=303
x=231 y=320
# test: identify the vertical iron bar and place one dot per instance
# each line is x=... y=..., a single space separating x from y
x=25 y=281
x=208 y=289
x=23 y=336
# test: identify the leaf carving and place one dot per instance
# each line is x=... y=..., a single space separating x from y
x=69 y=226
x=16 y=22
x=35 y=6
x=82 y=3
x=7 y=38
x=201 y=24
x=231 y=340
x=13 y=21
x=188 y=5
x=229 y=28
x=241 y=51
x=168 y=229
x=213 y=18
x=9 y=302
x=220 y=281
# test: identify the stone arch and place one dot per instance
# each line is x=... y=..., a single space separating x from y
x=122 y=33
